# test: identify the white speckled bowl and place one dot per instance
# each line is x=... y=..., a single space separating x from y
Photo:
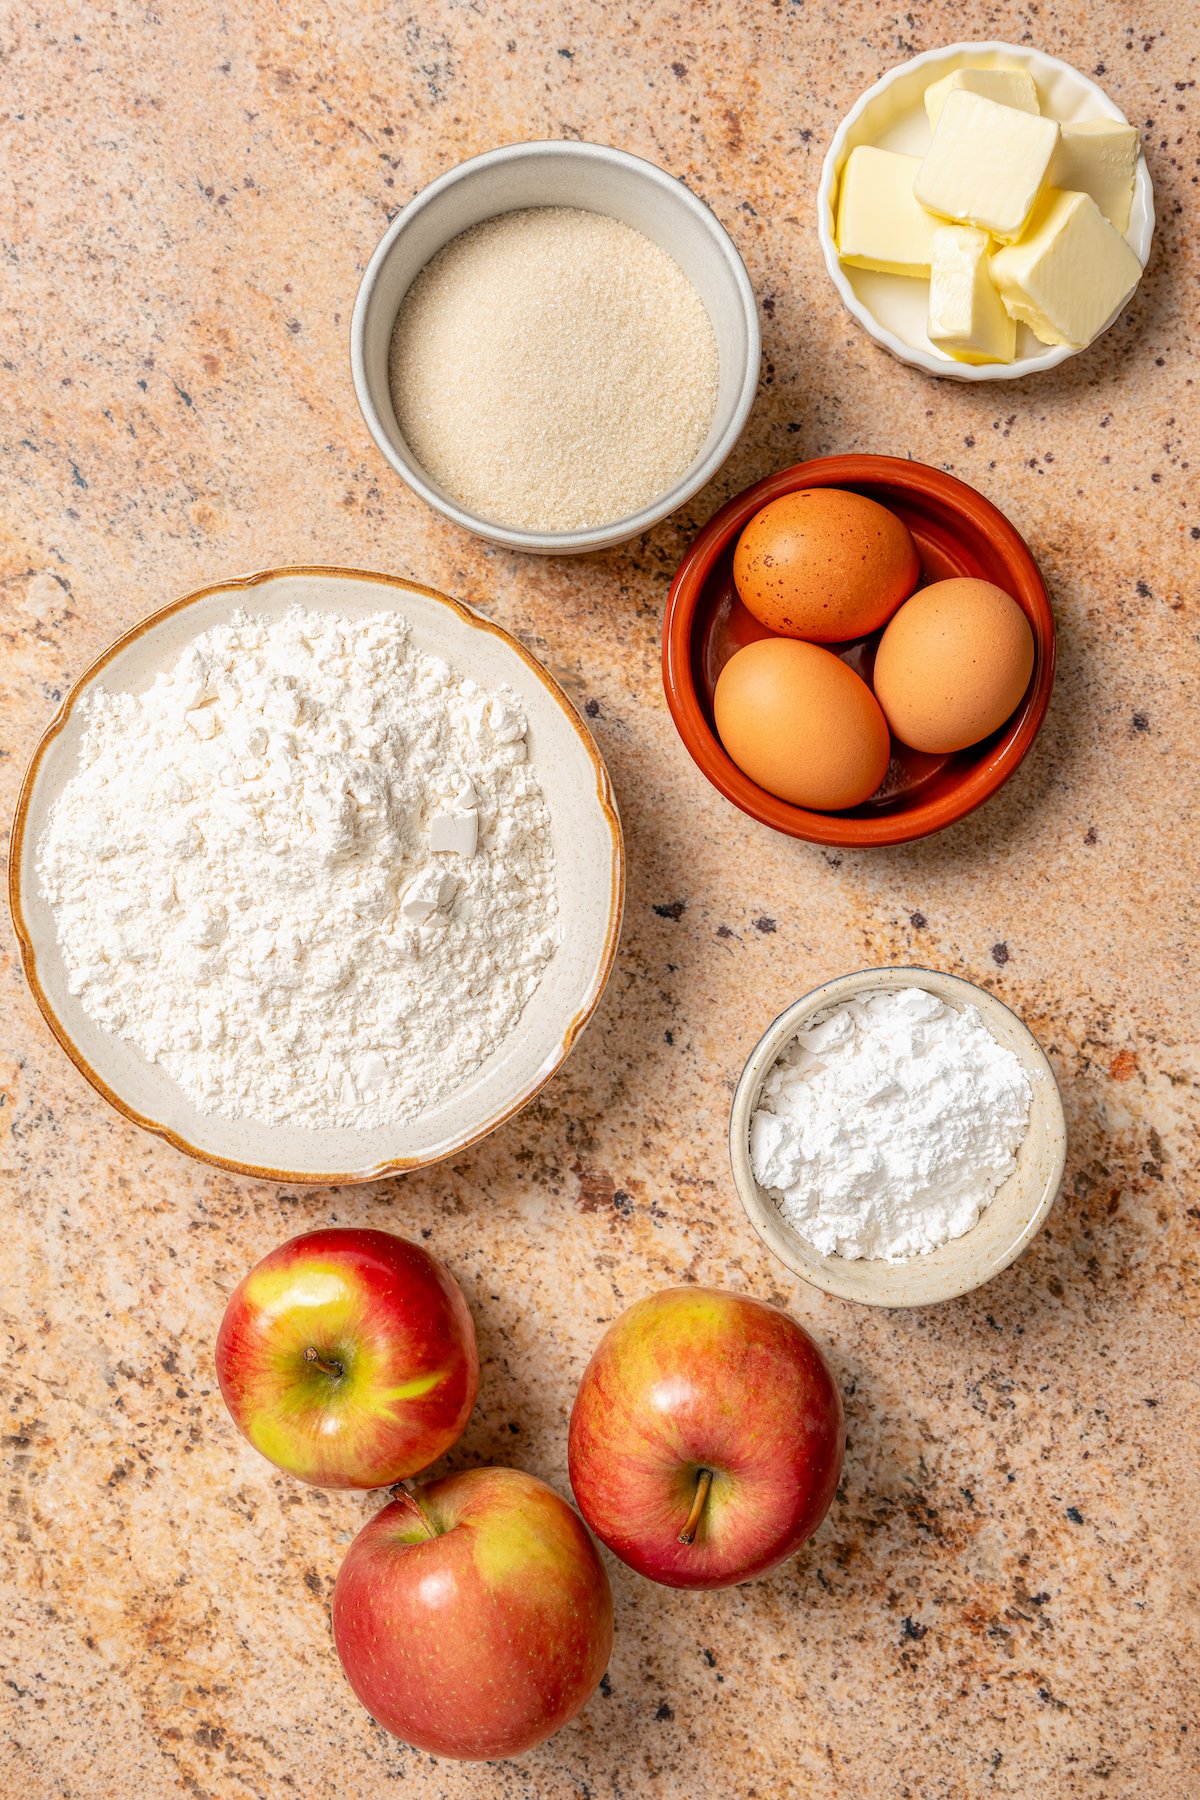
x=1007 y=1225
x=590 y=867
x=893 y=308
x=597 y=179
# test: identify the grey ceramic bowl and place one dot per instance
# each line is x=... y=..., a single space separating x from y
x=1007 y=1225
x=597 y=179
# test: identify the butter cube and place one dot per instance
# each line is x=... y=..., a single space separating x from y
x=1098 y=157
x=454 y=833
x=879 y=224
x=966 y=315
x=1006 y=86
x=1071 y=273
x=986 y=164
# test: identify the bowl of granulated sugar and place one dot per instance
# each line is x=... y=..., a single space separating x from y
x=556 y=345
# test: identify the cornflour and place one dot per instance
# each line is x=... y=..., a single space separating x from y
x=885 y=1129
x=308 y=872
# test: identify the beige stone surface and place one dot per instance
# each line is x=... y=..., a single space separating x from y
x=1002 y=1601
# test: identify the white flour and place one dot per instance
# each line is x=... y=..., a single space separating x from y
x=249 y=880
x=885 y=1129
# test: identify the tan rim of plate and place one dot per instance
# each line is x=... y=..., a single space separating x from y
x=391 y=1166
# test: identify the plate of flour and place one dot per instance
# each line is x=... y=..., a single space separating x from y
x=317 y=874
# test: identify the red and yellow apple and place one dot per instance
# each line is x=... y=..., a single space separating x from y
x=348 y=1358
x=706 y=1438
x=473 y=1616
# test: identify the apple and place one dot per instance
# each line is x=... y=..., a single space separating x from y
x=706 y=1438
x=473 y=1616
x=348 y=1358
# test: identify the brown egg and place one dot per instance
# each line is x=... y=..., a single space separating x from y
x=953 y=664
x=801 y=724
x=824 y=564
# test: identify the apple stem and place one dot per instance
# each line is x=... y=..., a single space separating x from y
x=402 y=1491
x=323 y=1362
x=688 y=1534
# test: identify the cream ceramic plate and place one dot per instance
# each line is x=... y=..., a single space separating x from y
x=893 y=308
x=587 y=846
x=1007 y=1225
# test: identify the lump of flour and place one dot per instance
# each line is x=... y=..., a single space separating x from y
x=308 y=871
x=885 y=1129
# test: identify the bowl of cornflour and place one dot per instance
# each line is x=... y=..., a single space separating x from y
x=897 y=1137
x=556 y=345
x=318 y=875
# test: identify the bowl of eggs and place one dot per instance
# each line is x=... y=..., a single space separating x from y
x=858 y=650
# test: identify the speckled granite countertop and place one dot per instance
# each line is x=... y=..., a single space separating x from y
x=1002 y=1600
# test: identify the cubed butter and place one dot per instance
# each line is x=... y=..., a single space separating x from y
x=986 y=164
x=879 y=224
x=1071 y=272
x=966 y=315
x=1006 y=86
x=1098 y=157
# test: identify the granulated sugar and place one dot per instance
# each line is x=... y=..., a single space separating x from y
x=552 y=369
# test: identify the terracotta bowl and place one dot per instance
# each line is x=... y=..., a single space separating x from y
x=957 y=532
x=589 y=855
